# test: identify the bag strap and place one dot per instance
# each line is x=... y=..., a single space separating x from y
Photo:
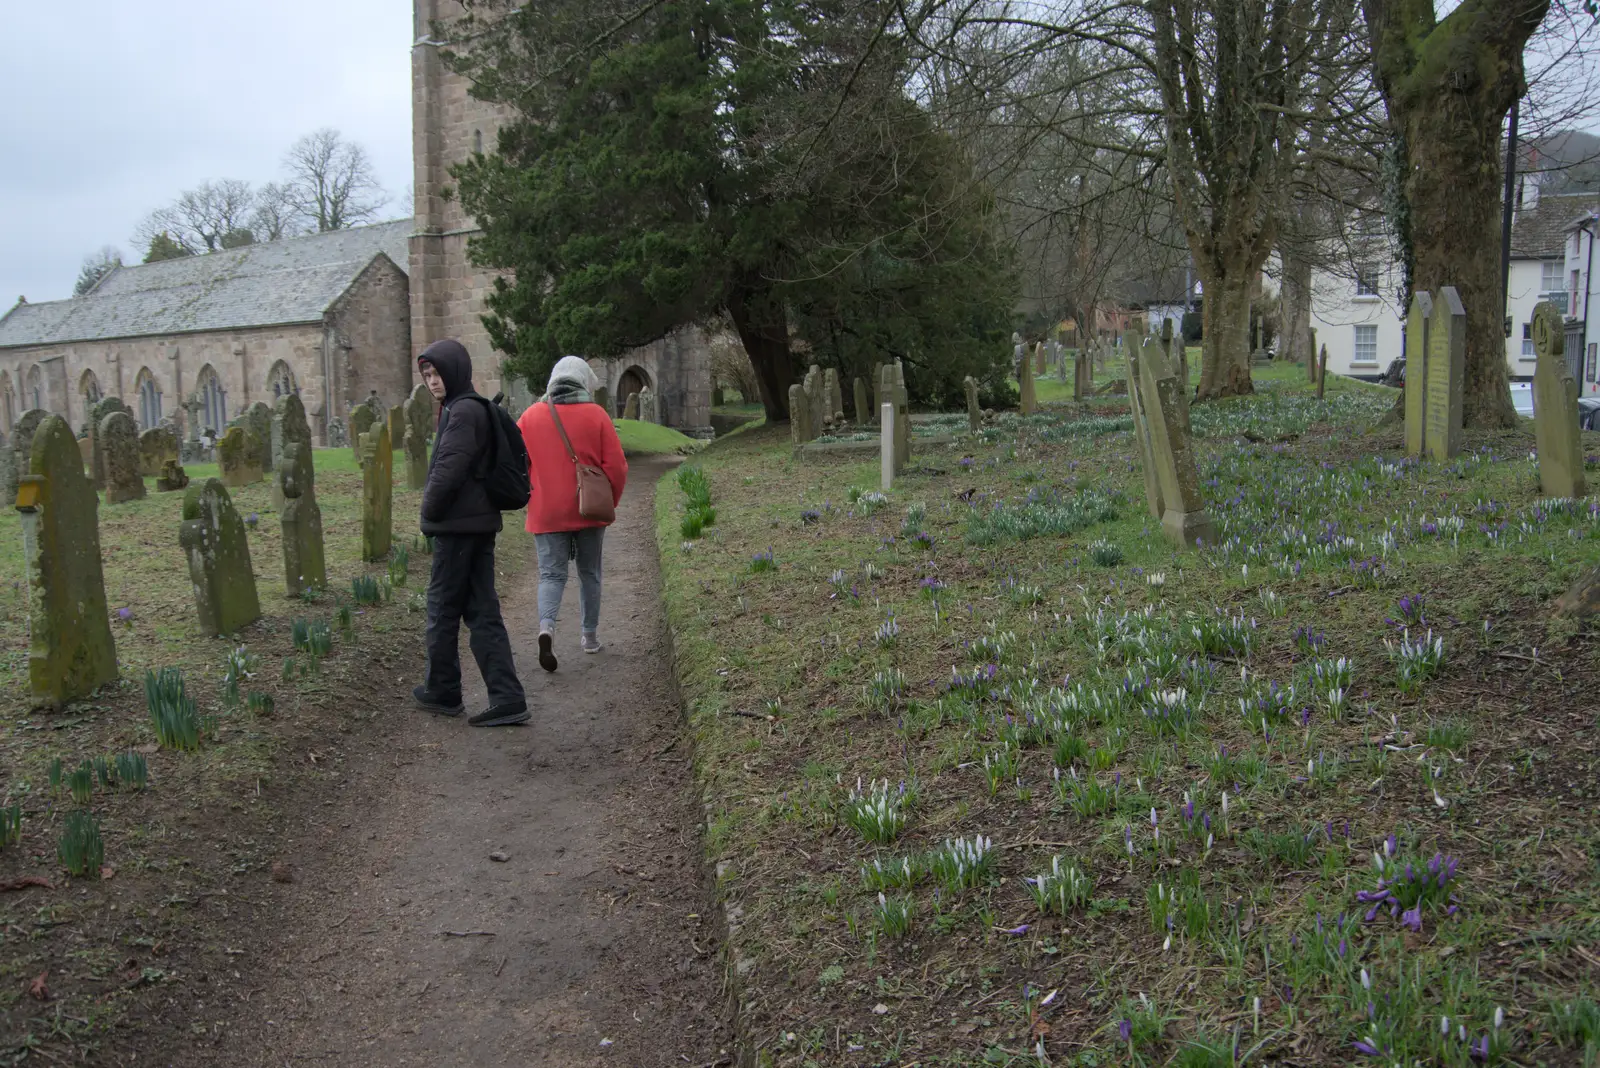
x=564 y=439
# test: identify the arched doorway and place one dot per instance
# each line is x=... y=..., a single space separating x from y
x=213 y=401
x=280 y=381
x=632 y=381
x=149 y=399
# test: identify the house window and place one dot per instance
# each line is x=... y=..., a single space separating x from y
x=1573 y=302
x=1550 y=276
x=1366 y=280
x=1527 y=341
x=1366 y=345
x=1590 y=375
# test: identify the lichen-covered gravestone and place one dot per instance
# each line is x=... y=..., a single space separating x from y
x=213 y=538
x=71 y=653
x=835 y=394
x=156 y=446
x=96 y=457
x=119 y=451
x=362 y=419
x=1443 y=376
x=1184 y=518
x=1141 y=434
x=377 y=493
x=338 y=437
x=799 y=415
x=1418 y=319
x=397 y=425
x=257 y=419
x=173 y=477
x=289 y=427
x=893 y=389
x=601 y=396
x=236 y=456
x=419 y=425
x=648 y=410
x=630 y=407
x=974 y=413
x=304 y=565
x=1555 y=409
x=21 y=449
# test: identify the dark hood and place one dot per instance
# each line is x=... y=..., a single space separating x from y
x=449 y=358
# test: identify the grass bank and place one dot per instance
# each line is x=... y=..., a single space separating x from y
x=993 y=776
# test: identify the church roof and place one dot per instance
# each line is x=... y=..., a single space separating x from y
x=274 y=283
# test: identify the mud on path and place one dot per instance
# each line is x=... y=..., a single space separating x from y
x=403 y=941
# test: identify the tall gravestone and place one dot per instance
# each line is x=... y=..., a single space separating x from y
x=257 y=419
x=377 y=493
x=304 y=565
x=397 y=426
x=1419 y=317
x=601 y=396
x=1141 y=435
x=1029 y=402
x=289 y=427
x=236 y=457
x=20 y=449
x=1080 y=376
x=1184 y=518
x=863 y=413
x=887 y=448
x=1555 y=408
x=1322 y=371
x=833 y=394
x=1039 y=365
x=1446 y=371
x=648 y=411
x=213 y=539
x=156 y=446
x=119 y=449
x=419 y=426
x=630 y=407
x=969 y=386
x=362 y=418
x=897 y=399
x=97 y=458
x=71 y=653
x=800 y=430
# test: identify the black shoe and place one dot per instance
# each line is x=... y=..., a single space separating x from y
x=429 y=703
x=502 y=715
x=547 y=655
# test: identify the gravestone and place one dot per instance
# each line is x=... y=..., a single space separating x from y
x=1062 y=355
x=172 y=477
x=289 y=427
x=20 y=449
x=338 y=436
x=362 y=418
x=1447 y=358
x=70 y=651
x=1082 y=383
x=1322 y=371
x=236 y=454
x=1183 y=515
x=898 y=400
x=816 y=399
x=878 y=398
x=1419 y=319
x=156 y=446
x=377 y=493
x=304 y=566
x=1555 y=408
x=630 y=407
x=96 y=457
x=257 y=420
x=887 y=448
x=602 y=397
x=1039 y=365
x=119 y=452
x=213 y=539
x=1029 y=401
x=1019 y=353
x=397 y=425
x=801 y=429
x=1141 y=435
x=974 y=414
x=863 y=413
x=718 y=397
x=419 y=425
x=192 y=409
x=833 y=396
x=648 y=411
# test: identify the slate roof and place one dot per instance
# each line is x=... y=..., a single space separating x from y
x=1540 y=233
x=270 y=284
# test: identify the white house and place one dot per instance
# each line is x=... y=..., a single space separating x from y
x=1583 y=321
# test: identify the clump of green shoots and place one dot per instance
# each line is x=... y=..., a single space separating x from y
x=400 y=565
x=892 y=915
x=177 y=721
x=11 y=824
x=962 y=864
x=240 y=666
x=132 y=770
x=81 y=849
x=1415 y=661
x=364 y=588
x=1065 y=888
x=1105 y=553
x=879 y=813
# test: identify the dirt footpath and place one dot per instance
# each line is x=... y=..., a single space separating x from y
x=515 y=896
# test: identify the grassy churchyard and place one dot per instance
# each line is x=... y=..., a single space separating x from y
x=185 y=836
x=994 y=775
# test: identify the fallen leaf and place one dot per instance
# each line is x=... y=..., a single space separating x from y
x=27 y=881
x=107 y=871
x=37 y=990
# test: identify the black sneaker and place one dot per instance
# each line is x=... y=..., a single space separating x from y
x=502 y=715
x=429 y=703
x=547 y=655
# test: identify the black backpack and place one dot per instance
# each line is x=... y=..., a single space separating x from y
x=504 y=468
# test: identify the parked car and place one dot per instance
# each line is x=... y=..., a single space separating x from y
x=1522 y=398
x=1589 y=413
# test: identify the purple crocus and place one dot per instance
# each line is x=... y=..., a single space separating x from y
x=1125 y=1029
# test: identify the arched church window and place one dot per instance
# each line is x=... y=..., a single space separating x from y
x=477 y=141
x=281 y=381
x=89 y=387
x=213 y=401
x=149 y=399
x=33 y=394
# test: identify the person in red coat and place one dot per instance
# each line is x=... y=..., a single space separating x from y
x=560 y=533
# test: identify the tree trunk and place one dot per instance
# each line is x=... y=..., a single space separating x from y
x=1294 y=305
x=1225 y=346
x=763 y=326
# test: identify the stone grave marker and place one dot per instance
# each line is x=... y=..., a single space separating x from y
x=1555 y=408
x=397 y=425
x=419 y=427
x=1040 y=366
x=257 y=419
x=236 y=454
x=119 y=452
x=800 y=423
x=1322 y=372
x=1184 y=518
x=1419 y=318
x=214 y=540
x=377 y=493
x=20 y=448
x=1447 y=358
x=601 y=396
x=648 y=411
x=289 y=427
x=96 y=457
x=338 y=436
x=630 y=407
x=304 y=566
x=863 y=413
x=833 y=394
x=172 y=477
x=887 y=447
x=897 y=398
x=1082 y=382
x=974 y=414
x=362 y=418
x=71 y=653
x=1029 y=401
x=1141 y=435
x=156 y=446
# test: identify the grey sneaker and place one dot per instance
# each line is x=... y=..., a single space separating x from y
x=591 y=643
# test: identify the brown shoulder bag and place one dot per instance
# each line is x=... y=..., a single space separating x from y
x=596 y=500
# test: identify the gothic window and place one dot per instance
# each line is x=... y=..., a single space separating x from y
x=89 y=387
x=33 y=393
x=213 y=401
x=477 y=141
x=281 y=381
x=149 y=399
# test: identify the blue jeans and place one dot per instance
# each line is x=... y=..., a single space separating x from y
x=555 y=550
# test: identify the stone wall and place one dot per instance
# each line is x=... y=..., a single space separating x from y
x=372 y=323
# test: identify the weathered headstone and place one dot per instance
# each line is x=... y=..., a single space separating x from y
x=601 y=396
x=172 y=477
x=1141 y=435
x=70 y=653
x=257 y=419
x=377 y=493
x=21 y=449
x=419 y=426
x=156 y=446
x=816 y=399
x=1029 y=402
x=362 y=418
x=1082 y=382
x=800 y=422
x=213 y=539
x=648 y=411
x=236 y=454
x=1447 y=358
x=97 y=458
x=338 y=436
x=1555 y=408
x=1419 y=318
x=1183 y=518
x=119 y=452
x=863 y=413
x=630 y=407
x=897 y=399
x=1322 y=371
x=1039 y=365
x=833 y=396
x=304 y=566
x=887 y=448
x=969 y=385
x=397 y=426
x=289 y=427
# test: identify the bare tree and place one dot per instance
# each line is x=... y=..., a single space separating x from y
x=96 y=266
x=332 y=182
x=275 y=216
x=210 y=216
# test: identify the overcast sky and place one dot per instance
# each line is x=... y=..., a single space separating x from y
x=113 y=108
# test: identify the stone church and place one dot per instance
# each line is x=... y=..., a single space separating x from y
x=447 y=292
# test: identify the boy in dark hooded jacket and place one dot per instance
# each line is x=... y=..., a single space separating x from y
x=457 y=513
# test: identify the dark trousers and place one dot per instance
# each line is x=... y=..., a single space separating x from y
x=462 y=588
